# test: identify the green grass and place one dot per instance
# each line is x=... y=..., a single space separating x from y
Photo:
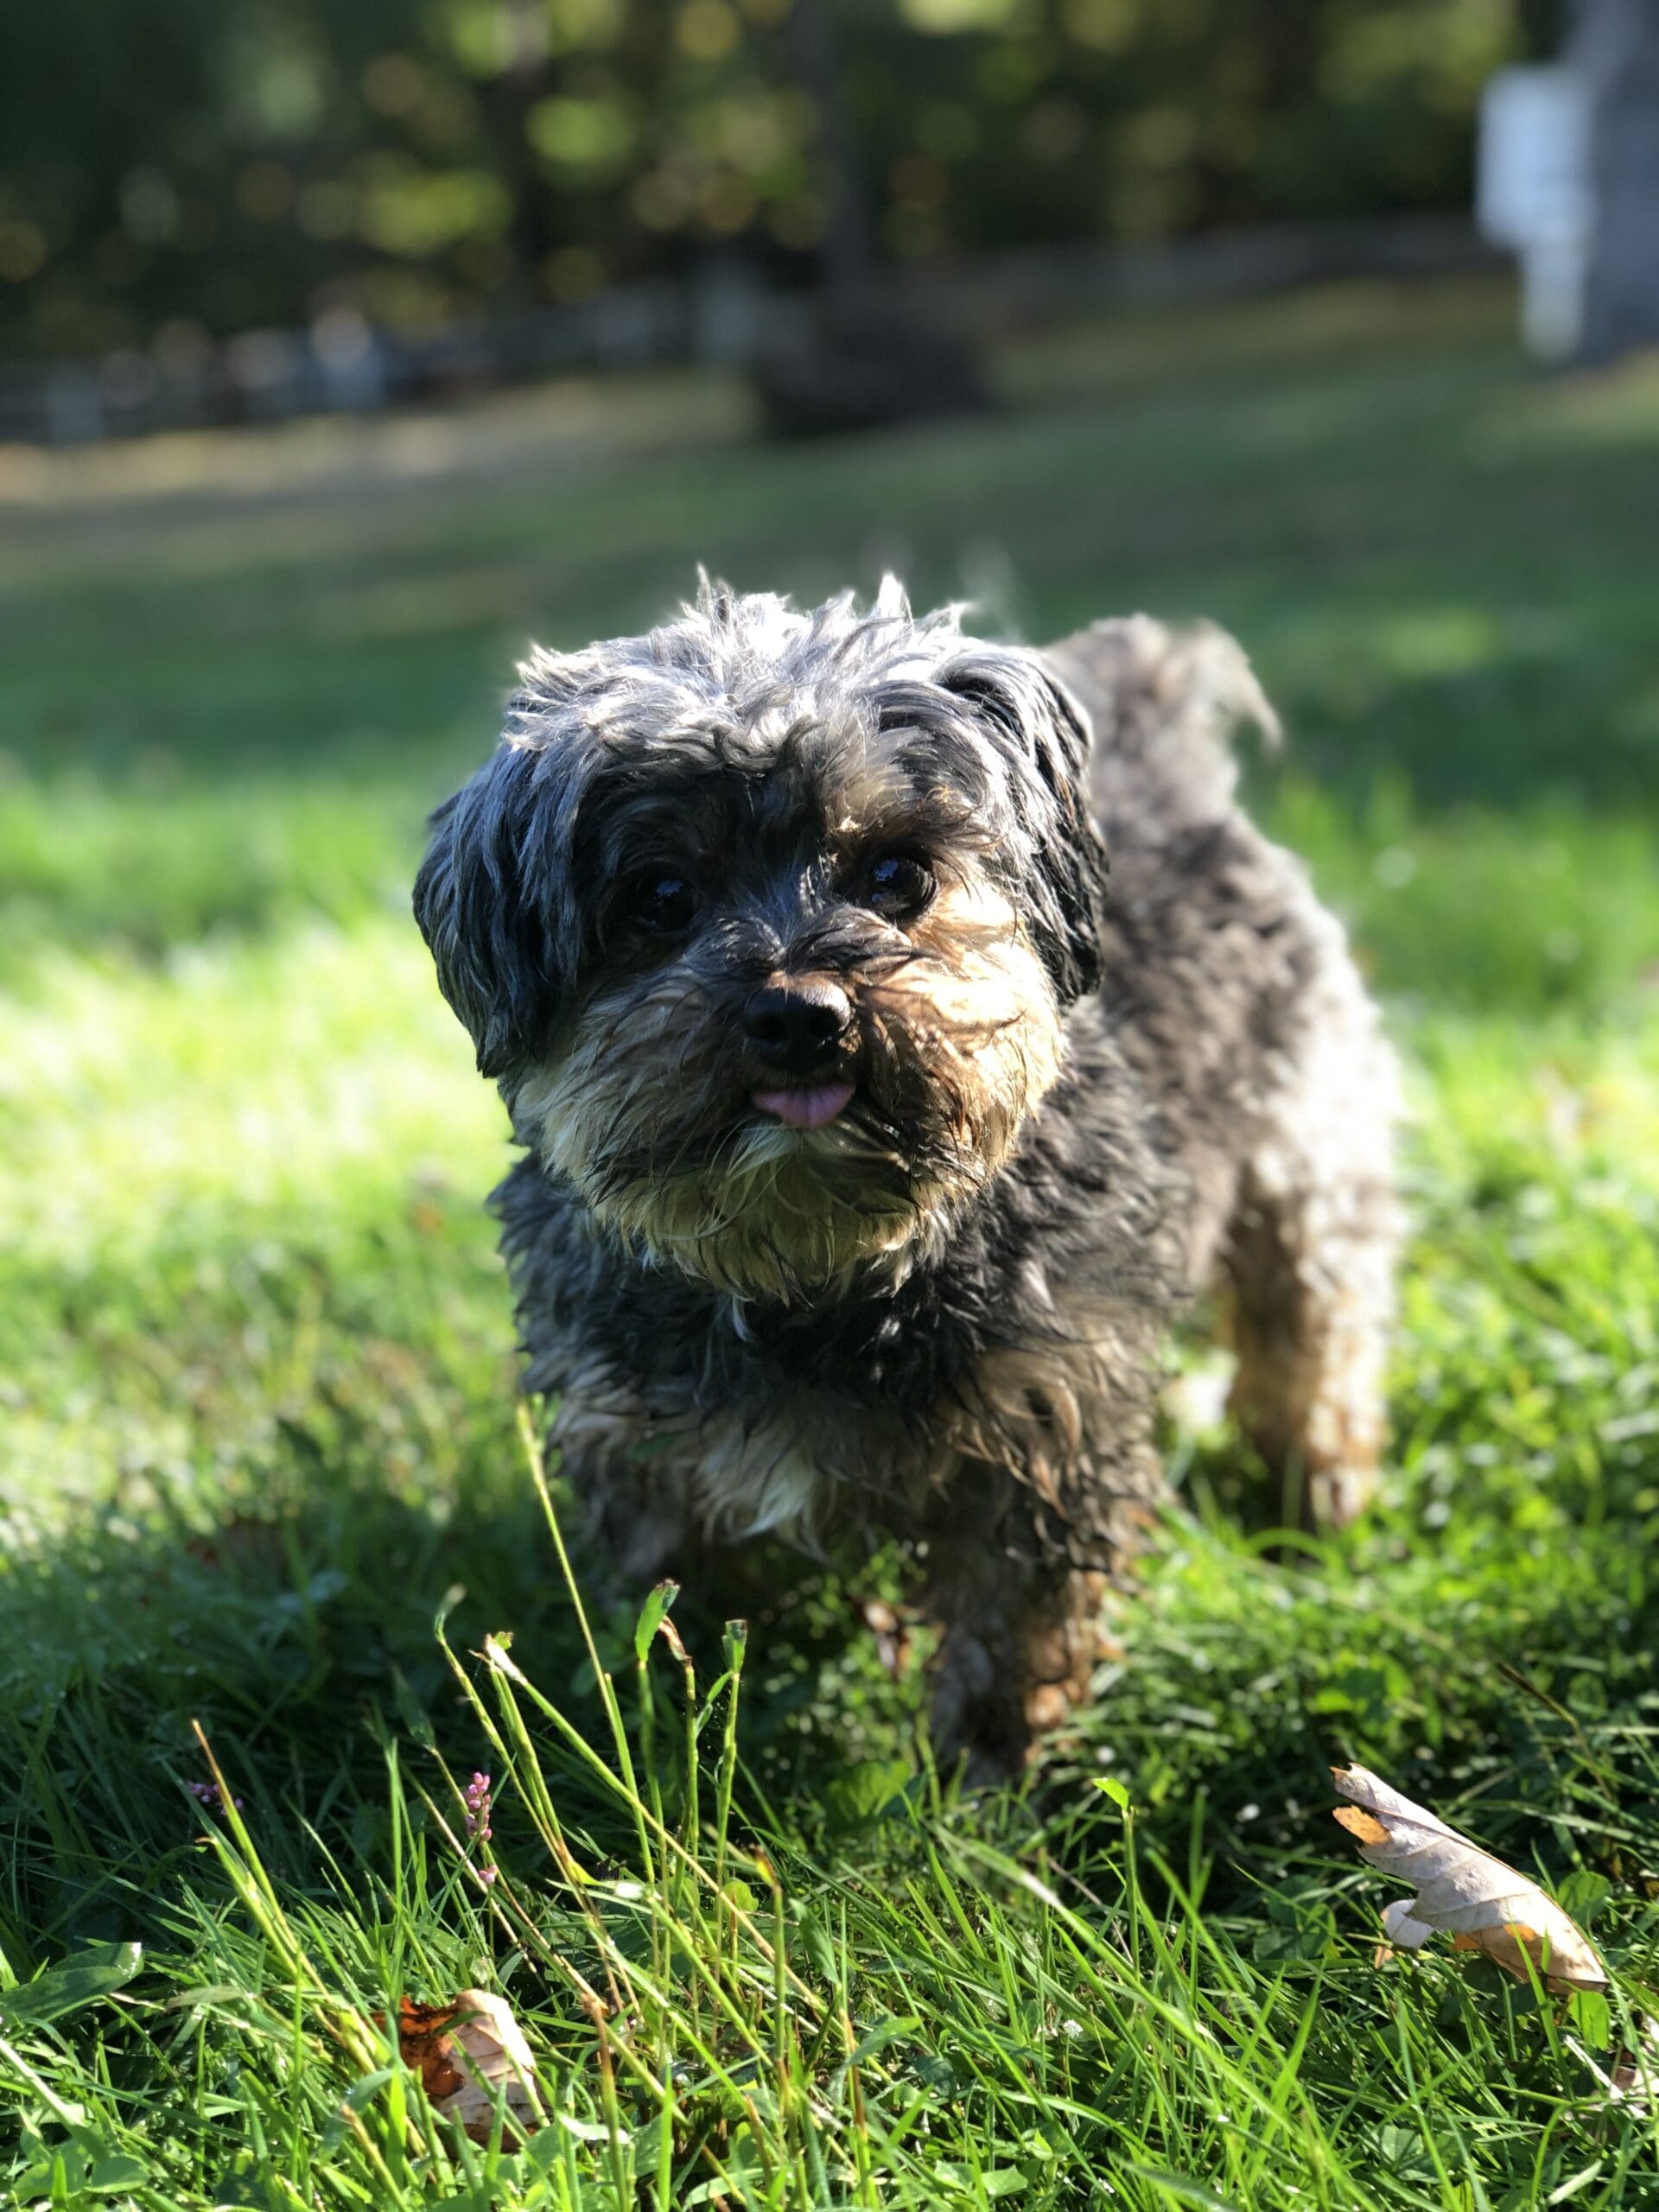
x=256 y=1416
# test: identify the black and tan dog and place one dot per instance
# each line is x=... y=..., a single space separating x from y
x=871 y=1132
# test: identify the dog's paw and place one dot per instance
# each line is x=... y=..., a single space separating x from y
x=978 y=1724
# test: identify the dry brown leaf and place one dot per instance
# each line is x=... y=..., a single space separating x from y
x=892 y=1632
x=466 y=2052
x=1462 y=1890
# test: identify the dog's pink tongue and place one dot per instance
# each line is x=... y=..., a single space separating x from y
x=807 y=1109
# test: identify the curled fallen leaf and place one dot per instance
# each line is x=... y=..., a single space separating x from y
x=1462 y=1890
x=466 y=2052
x=892 y=1633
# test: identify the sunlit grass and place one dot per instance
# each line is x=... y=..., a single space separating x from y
x=307 y=1083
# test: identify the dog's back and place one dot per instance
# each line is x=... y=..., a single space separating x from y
x=1212 y=934
x=1234 y=997
x=1164 y=704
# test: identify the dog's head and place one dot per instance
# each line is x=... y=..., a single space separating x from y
x=766 y=924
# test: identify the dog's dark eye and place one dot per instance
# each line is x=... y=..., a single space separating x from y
x=662 y=902
x=898 y=886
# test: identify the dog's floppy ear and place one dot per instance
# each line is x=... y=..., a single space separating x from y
x=490 y=935
x=493 y=897
x=1045 y=735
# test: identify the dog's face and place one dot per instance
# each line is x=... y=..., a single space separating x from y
x=766 y=924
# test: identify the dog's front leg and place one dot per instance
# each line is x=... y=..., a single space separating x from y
x=1021 y=1633
x=631 y=1485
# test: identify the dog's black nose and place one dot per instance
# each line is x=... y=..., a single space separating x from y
x=797 y=1021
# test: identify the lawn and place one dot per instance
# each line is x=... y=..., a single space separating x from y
x=256 y=1423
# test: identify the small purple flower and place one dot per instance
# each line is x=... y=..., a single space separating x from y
x=476 y=1798
x=209 y=1794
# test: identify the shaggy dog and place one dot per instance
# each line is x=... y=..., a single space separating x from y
x=872 y=1135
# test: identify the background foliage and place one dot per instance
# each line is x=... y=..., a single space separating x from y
x=172 y=169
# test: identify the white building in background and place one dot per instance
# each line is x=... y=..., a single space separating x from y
x=1533 y=197
x=1569 y=182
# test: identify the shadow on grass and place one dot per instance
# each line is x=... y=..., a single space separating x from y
x=296 y=1626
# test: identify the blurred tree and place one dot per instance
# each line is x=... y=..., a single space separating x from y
x=847 y=250
x=1615 y=44
x=169 y=167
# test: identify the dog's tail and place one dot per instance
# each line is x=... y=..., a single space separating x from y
x=1164 y=704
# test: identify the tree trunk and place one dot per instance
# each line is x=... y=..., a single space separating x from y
x=847 y=257
x=1616 y=44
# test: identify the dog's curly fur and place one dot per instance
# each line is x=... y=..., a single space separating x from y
x=938 y=1314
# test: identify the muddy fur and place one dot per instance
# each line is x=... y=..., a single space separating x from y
x=1075 y=1100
